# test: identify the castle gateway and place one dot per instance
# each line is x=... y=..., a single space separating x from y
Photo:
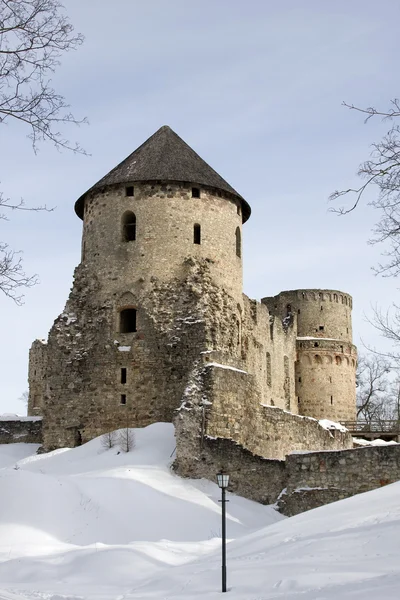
x=157 y=327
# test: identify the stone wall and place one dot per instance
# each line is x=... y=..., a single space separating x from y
x=37 y=377
x=20 y=429
x=319 y=478
x=238 y=413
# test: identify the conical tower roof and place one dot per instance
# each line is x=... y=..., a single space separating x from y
x=164 y=157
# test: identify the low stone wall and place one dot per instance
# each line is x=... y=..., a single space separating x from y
x=250 y=476
x=319 y=478
x=20 y=429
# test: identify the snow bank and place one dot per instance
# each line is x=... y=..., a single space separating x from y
x=92 y=524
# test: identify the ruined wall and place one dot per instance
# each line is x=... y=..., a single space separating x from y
x=86 y=355
x=20 y=429
x=37 y=377
x=268 y=352
x=322 y=477
x=222 y=402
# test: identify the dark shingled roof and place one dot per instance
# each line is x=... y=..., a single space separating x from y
x=164 y=157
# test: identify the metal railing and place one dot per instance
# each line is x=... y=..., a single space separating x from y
x=379 y=426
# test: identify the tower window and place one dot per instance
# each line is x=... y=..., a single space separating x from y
x=129 y=227
x=321 y=327
x=238 y=242
x=123 y=375
x=129 y=191
x=196 y=234
x=331 y=399
x=127 y=320
x=123 y=399
x=195 y=192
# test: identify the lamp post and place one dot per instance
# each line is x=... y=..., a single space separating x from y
x=223 y=482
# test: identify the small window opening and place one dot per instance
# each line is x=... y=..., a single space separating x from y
x=129 y=191
x=238 y=242
x=316 y=345
x=347 y=329
x=298 y=399
x=123 y=375
x=322 y=308
x=288 y=309
x=331 y=399
x=129 y=227
x=127 y=320
x=196 y=234
x=299 y=379
x=321 y=327
x=298 y=312
x=123 y=398
x=195 y=192
x=239 y=210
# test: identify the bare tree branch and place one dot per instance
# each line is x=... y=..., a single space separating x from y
x=34 y=34
x=381 y=171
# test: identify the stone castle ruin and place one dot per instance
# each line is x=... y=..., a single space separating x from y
x=157 y=328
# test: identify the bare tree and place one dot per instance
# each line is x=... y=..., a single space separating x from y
x=24 y=397
x=374 y=393
x=108 y=440
x=33 y=36
x=126 y=439
x=381 y=172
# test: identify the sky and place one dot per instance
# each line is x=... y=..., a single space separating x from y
x=256 y=88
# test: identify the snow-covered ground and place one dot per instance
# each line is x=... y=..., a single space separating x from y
x=90 y=523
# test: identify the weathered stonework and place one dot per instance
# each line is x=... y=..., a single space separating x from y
x=14 y=430
x=322 y=477
x=162 y=244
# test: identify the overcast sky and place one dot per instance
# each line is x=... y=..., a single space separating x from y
x=255 y=87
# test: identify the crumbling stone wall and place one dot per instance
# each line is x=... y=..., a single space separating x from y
x=319 y=478
x=221 y=402
x=37 y=377
x=21 y=429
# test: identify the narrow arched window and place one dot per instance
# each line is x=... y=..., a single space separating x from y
x=196 y=234
x=129 y=227
x=238 y=242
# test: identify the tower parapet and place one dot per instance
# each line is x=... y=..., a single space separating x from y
x=326 y=357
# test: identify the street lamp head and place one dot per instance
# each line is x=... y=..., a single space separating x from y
x=223 y=480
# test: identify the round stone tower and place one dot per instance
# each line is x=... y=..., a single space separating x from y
x=159 y=231
x=326 y=357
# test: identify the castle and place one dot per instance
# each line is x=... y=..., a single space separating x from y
x=157 y=328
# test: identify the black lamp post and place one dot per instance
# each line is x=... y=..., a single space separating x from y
x=223 y=482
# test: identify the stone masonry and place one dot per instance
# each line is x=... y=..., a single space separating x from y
x=157 y=327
